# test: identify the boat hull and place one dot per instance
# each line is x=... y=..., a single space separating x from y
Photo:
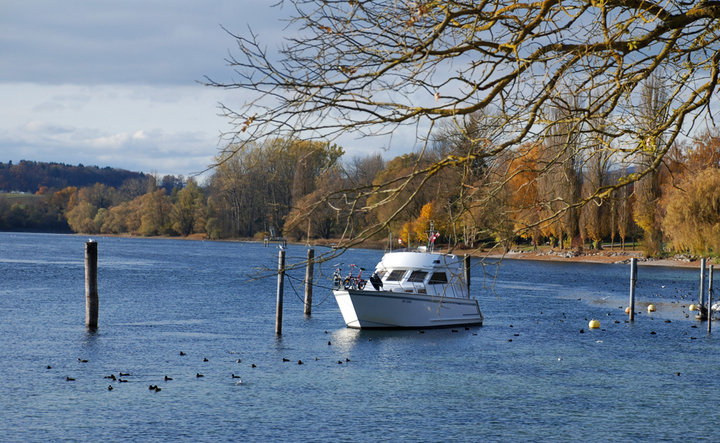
x=382 y=309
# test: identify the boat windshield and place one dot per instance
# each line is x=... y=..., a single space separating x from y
x=417 y=276
x=396 y=275
x=438 y=278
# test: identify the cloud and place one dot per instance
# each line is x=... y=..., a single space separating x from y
x=174 y=130
x=134 y=41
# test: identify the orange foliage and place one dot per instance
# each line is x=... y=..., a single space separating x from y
x=422 y=223
x=523 y=188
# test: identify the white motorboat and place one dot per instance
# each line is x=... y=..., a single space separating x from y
x=409 y=289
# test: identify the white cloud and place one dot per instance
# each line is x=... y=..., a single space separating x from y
x=135 y=127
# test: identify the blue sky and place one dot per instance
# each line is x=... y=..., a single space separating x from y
x=114 y=83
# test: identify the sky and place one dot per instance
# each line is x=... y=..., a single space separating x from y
x=115 y=82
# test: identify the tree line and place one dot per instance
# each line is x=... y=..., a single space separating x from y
x=307 y=190
x=29 y=176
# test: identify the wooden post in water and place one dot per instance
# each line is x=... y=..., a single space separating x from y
x=633 y=280
x=710 y=298
x=309 y=280
x=91 y=286
x=466 y=263
x=701 y=308
x=280 y=289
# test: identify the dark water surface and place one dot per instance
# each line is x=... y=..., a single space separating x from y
x=527 y=374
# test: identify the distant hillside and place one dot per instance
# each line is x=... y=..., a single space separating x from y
x=29 y=176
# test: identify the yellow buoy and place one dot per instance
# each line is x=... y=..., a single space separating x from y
x=594 y=324
x=651 y=308
x=627 y=310
x=693 y=308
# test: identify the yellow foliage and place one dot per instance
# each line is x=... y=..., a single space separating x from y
x=692 y=214
x=422 y=223
x=407 y=234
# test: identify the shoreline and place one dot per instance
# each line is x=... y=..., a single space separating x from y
x=602 y=257
x=564 y=256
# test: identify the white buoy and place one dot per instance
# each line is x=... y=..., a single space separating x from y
x=651 y=308
x=693 y=307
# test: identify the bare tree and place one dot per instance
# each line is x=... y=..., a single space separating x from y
x=368 y=68
x=596 y=173
x=653 y=110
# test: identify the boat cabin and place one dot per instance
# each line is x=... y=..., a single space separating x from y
x=420 y=273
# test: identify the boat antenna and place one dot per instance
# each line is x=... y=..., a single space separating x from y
x=431 y=236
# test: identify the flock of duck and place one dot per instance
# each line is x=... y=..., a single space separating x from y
x=153 y=387
x=123 y=377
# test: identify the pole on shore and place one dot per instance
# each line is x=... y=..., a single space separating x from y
x=91 y=285
x=280 y=289
x=633 y=280
x=710 y=298
x=701 y=310
x=309 y=280
x=466 y=263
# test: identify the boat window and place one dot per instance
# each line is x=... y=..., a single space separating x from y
x=438 y=278
x=396 y=275
x=417 y=276
x=381 y=273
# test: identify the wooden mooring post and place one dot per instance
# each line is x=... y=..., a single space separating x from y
x=710 y=298
x=309 y=280
x=466 y=264
x=633 y=281
x=280 y=289
x=702 y=310
x=91 y=285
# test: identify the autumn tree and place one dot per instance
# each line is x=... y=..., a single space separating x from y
x=700 y=153
x=692 y=214
x=254 y=187
x=311 y=217
x=154 y=211
x=81 y=218
x=522 y=187
x=460 y=196
x=397 y=194
x=315 y=216
x=653 y=110
x=368 y=68
x=230 y=209
x=188 y=213
x=596 y=173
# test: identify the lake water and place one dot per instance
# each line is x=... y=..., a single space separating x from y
x=528 y=374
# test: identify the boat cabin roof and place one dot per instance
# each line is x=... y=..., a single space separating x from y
x=426 y=261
